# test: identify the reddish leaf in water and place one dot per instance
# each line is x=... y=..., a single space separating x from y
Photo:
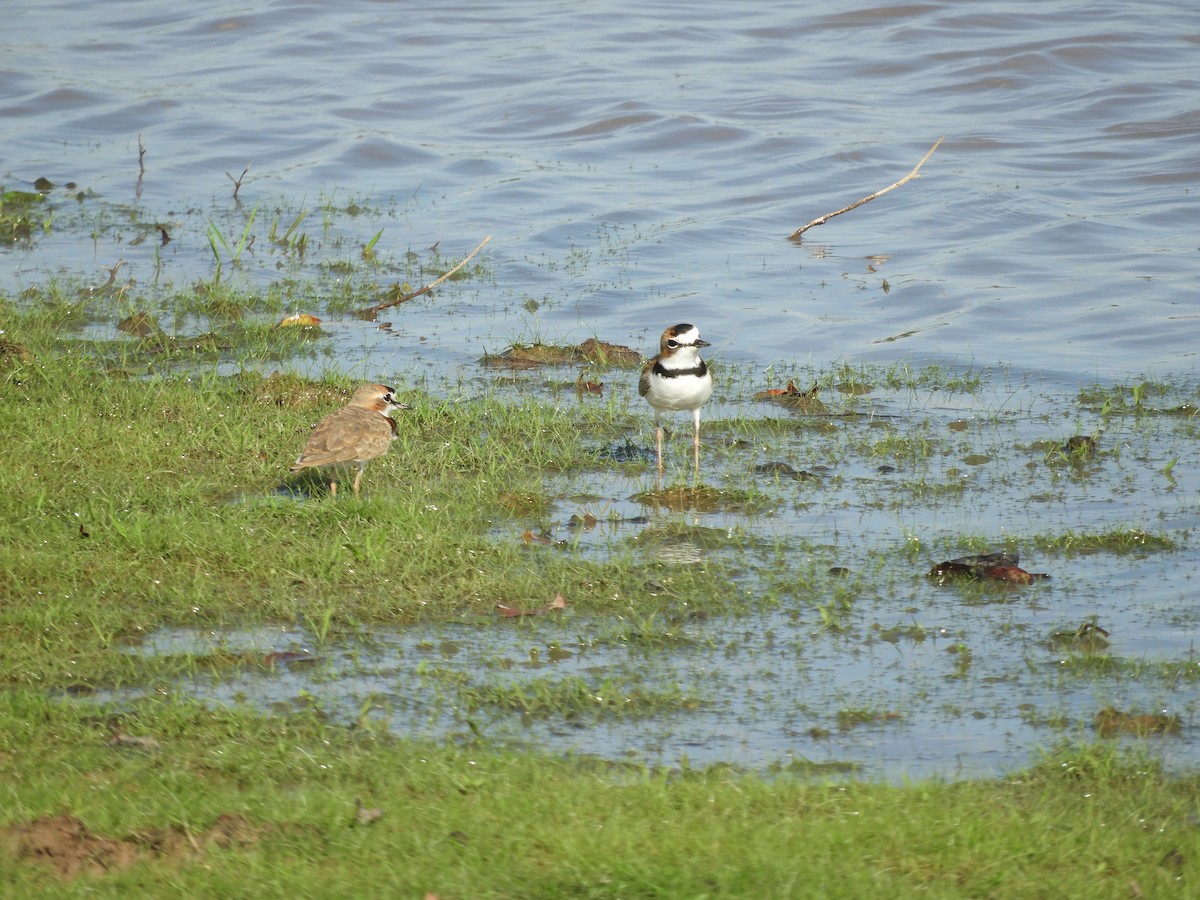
x=790 y=391
x=541 y=539
x=794 y=398
x=589 y=387
x=1013 y=574
x=1000 y=566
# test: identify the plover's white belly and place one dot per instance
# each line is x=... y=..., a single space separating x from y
x=681 y=392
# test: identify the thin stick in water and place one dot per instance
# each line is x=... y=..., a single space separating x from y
x=795 y=235
x=237 y=182
x=370 y=311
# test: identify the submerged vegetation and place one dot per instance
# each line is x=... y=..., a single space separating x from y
x=530 y=663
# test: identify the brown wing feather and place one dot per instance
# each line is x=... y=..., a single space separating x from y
x=349 y=435
x=644 y=381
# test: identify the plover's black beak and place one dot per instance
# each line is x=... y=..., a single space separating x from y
x=700 y=342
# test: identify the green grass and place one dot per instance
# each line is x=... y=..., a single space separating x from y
x=233 y=804
x=166 y=500
x=22 y=215
x=130 y=502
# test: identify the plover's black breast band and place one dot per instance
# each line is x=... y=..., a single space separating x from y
x=699 y=371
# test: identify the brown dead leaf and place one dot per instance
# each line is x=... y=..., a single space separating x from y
x=510 y=612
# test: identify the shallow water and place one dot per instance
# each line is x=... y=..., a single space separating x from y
x=635 y=168
x=956 y=680
x=668 y=157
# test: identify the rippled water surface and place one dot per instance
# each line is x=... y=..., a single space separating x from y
x=673 y=152
x=641 y=164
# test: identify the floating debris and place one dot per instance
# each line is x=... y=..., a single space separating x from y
x=530 y=356
x=1088 y=637
x=1000 y=566
x=794 y=398
x=299 y=320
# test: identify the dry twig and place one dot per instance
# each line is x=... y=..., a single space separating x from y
x=112 y=274
x=141 y=167
x=370 y=311
x=795 y=235
x=237 y=182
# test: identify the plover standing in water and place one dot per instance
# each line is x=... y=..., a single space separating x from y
x=677 y=379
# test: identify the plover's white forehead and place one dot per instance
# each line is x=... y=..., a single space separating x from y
x=683 y=334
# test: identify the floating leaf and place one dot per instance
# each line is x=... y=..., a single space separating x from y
x=303 y=320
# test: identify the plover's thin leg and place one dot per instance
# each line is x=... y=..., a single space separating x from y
x=696 y=440
x=658 y=435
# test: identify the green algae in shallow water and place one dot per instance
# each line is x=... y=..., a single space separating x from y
x=1120 y=541
x=573 y=697
x=20 y=215
x=703 y=498
x=697 y=537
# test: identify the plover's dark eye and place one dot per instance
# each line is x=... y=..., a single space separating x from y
x=672 y=344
